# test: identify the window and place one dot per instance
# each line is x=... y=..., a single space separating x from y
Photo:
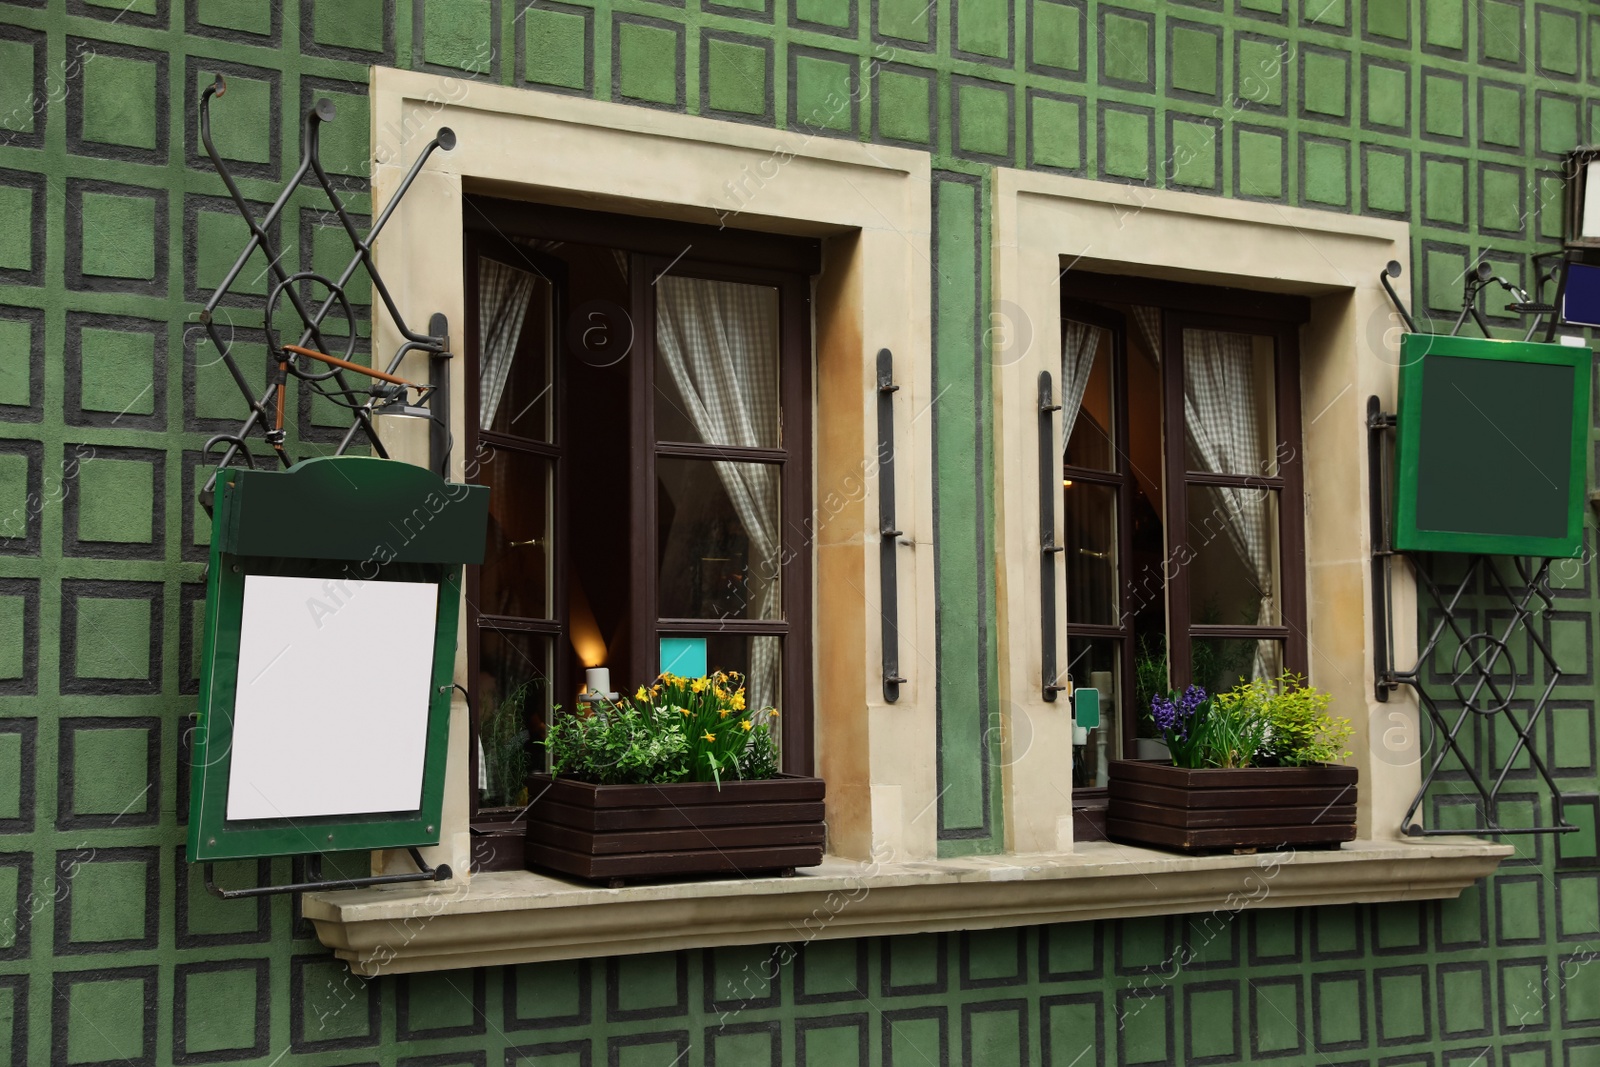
x=639 y=401
x=1185 y=557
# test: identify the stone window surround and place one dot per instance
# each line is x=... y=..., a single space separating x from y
x=1047 y=225
x=878 y=759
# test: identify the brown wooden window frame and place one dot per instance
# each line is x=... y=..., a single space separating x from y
x=1085 y=297
x=655 y=247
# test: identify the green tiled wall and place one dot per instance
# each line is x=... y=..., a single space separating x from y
x=1451 y=114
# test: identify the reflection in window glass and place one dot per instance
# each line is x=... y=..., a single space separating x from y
x=1091 y=557
x=516 y=579
x=1233 y=544
x=716 y=363
x=513 y=708
x=1220 y=663
x=514 y=343
x=719 y=540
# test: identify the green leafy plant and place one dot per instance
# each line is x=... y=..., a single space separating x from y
x=675 y=730
x=504 y=737
x=1149 y=670
x=1299 y=729
x=1277 y=723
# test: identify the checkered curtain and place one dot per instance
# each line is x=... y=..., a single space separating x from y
x=718 y=341
x=1148 y=322
x=1078 y=344
x=1219 y=406
x=503 y=295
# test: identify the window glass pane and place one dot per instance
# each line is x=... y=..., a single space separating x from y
x=515 y=316
x=716 y=362
x=719 y=539
x=1229 y=403
x=758 y=659
x=1091 y=557
x=1096 y=662
x=1232 y=557
x=511 y=704
x=516 y=575
x=1217 y=664
x=1087 y=396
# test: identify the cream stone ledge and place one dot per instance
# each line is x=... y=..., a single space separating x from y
x=521 y=917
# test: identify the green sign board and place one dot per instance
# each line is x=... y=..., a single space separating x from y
x=332 y=599
x=1492 y=448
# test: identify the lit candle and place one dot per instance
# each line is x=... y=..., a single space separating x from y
x=598 y=680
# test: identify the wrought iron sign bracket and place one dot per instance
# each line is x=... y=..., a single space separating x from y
x=315 y=883
x=305 y=346
x=889 y=534
x=319 y=359
x=1486 y=683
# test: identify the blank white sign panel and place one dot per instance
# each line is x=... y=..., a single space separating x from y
x=331 y=713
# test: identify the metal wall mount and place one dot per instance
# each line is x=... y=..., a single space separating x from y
x=1049 y=472
x=1483 y=670
x=889 y=535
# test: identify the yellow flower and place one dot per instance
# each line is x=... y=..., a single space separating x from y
x=700 y=685
x=685 y=711
x=724 y=712
x=710 y=736
x=773 y=712
x=738 y=701
x=745 y=725
x=642 y=694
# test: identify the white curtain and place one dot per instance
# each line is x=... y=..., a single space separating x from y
x=503 y=294
x=1079 y=342
x=1220 y=406
x=719 y=344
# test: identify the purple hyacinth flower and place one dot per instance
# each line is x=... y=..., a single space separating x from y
x=1164 y=712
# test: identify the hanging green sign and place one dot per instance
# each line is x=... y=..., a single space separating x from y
x=1492 y=448
x=332 y=600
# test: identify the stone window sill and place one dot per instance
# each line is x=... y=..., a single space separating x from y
x=520 y=917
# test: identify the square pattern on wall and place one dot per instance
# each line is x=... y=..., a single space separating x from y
x=1451 y=115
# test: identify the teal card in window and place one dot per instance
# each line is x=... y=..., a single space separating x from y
x=683 y=656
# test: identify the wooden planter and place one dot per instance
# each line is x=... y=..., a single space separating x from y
x=1213 y=810
x=620 y=833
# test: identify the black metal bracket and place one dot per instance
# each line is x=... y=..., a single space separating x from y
x=889 y=535
x=1392 y=270
x=1049 y=474
x=1482 y=277
x=315 y=883
x=266 y=412
x=1485 y=685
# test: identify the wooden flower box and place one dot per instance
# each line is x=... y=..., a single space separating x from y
x=620 y=833
x=1244 y=809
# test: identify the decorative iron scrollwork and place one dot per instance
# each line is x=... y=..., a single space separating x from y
x=1483 y=670
x=309 y=358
